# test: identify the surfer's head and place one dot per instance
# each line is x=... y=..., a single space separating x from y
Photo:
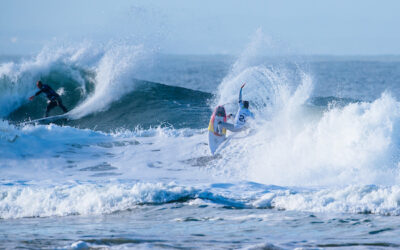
x=246 y=104
x=220 y=111
x=39 y=84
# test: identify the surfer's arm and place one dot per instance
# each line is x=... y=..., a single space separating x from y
x=37 y=93
x=240 y=93
x=251 y=115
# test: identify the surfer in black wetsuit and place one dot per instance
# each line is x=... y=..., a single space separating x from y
x=54 y=98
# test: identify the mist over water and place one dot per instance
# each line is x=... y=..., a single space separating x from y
x=135 y=141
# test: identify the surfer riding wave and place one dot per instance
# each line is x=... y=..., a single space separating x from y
x=54 y=99
x=240 y=117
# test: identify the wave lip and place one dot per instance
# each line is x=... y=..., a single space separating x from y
x=113 y=78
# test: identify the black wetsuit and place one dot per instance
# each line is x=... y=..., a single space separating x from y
x=54 y=99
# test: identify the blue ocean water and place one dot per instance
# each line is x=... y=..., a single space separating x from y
x=131 y=168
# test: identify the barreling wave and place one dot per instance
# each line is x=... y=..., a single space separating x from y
x=60 y=67
x=99 y=88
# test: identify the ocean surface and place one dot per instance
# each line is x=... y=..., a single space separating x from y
x=130 y=168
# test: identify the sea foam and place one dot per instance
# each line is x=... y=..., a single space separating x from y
x=293 y=143
x=85 y=199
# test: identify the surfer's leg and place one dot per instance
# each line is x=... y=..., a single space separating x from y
x=50 y=106
x=230 y=127
x=59 y=102
x=238 y=129
x=226 y=125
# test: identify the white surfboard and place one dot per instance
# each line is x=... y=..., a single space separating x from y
x=215 y=136
x=46 y=119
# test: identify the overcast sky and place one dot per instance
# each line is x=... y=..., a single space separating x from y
x=333 y=27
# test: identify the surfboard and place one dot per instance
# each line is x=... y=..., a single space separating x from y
x=216 y=136
x=46 y=119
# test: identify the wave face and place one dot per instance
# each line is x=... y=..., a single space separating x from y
x=149 y=105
